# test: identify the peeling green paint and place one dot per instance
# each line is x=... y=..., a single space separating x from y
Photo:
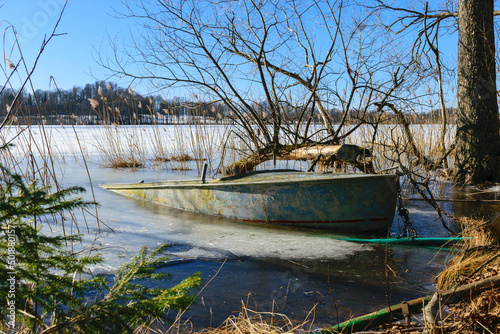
x=334 y=201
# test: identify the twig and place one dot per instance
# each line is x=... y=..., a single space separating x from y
x=28 y=78
x=315 y=162
x=483 y=265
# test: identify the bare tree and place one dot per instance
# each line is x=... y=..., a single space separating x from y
x=274 y=64
x=478 y=130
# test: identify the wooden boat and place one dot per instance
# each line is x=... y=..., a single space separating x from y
x=344 y=202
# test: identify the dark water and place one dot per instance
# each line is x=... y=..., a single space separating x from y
x=334 y=289
x=269 y=268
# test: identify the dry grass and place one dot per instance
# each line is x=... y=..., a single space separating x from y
x=479 y=259
x=252 y=322
x=478 y=247
x=223 y=144
x=181 y=158
x=119 y=145
x=126 y=163
x=247 y=321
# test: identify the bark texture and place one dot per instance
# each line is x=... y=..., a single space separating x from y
x=478 y=136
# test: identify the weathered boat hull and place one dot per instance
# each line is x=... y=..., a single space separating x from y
x=344 y=202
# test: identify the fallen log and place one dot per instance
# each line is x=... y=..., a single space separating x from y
x=325 y=155
x=395 y=313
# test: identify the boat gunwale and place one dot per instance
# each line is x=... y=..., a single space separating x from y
x=216 y=183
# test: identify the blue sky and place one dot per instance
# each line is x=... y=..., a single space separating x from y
x=86 y=25
x=69 y=58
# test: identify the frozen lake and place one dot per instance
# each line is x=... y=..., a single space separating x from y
x=288 y=270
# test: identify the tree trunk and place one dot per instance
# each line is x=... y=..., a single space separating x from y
x=478 y=128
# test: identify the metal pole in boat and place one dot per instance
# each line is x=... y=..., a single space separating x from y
x=204 y=173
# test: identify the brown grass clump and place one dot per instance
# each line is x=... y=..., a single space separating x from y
x=181 y=169
x=127 y=163
x=161 y=159
x=252 y=322
x=179 y=158
x=5 y=328
x=20 y=329
x=183 y=158
x=478 y=248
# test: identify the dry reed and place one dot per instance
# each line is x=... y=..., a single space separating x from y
x=223 y=144
x=479 y=259
x=478 y=246
x=122 y=146
x=251 y=322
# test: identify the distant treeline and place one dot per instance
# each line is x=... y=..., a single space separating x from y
x=100 y=103
x=107 y=103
